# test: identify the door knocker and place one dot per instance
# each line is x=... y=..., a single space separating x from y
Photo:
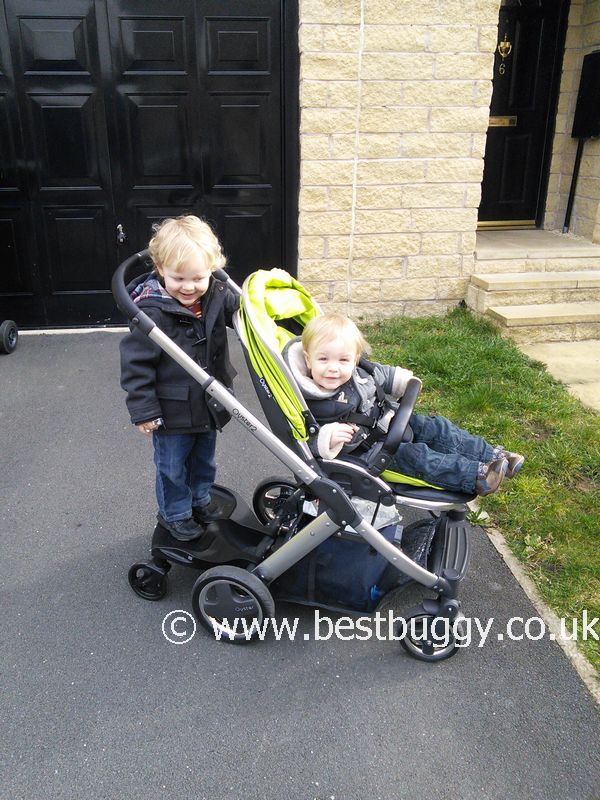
x=505 y=49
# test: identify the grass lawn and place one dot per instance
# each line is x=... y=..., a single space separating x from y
x=550 y=513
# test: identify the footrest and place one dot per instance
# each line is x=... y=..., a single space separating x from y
x=451 y=545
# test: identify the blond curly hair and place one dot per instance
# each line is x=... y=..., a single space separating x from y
x=177 y=239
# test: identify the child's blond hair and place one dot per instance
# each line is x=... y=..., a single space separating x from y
x=330 y=326
x=177 y=239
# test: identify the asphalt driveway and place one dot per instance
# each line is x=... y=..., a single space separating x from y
x=97 y=704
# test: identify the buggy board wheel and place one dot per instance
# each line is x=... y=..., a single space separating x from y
x=232 y=603
x=9 y=336
x=269 y=496
x=430 y=638
x=147 y=582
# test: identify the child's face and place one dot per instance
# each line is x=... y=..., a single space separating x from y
x=331 y=363
x=189 y=282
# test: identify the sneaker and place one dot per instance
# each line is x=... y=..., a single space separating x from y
x=515 y=462
x=184 y=530
x=492 y=477
x=211 y=512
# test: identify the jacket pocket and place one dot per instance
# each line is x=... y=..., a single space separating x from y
x=174 y=402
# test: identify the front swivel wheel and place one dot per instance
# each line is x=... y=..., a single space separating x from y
x=431 y=638
x=232 y=603
x=148 y=581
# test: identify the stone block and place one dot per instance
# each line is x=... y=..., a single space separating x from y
x=433 y=266
x=379 y=145
x=399 y=12
x=411 y=289
x=326 y=173
x=452 y=288
x=455 y=38
x=457 y=170
x=341 y=38
x=458 y=120
x=343 y=94
x=313 y=198
x=343 y=145
x=338 y=246
x=314 y=147
x=340 y=198
x=379 y=197
x=464 y=66
x=437 y=145
x=438 y=196
x=393 y=120
x=325 y=223
x=322 y=120
x=381 y=221
x=440 y=244
x=365 y=291
x=395 y=38
x=313 y=94
x=337 y=12
x=397 y=66
x=382 y=268
x=391 y=171
x=329 y=66
x=324 y=269
x=311 y=246
x=387 y=245
x=443 y=219
x=437 y=93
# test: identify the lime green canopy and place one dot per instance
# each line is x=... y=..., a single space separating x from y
x=269 y=296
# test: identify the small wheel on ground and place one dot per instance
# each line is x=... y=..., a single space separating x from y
x=147 y=582
x=430 y=638
x=269 y=496
x=9 y=336
x=232 y=603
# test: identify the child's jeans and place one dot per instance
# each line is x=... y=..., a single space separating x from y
x=442 y=454
x=185 y=472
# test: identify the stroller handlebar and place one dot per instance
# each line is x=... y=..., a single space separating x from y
x=121 y=295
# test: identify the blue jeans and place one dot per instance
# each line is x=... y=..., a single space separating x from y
x=442 y=454
x=185 y=472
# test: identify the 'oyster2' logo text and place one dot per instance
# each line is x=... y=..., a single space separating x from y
x=243 y=419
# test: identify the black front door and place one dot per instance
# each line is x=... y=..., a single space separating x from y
x=526 y=72
x=117 y=113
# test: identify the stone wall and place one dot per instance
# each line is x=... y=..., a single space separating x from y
x=583 y=36
x=394 y=102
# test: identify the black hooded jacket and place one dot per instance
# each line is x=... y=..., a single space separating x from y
x=156 y=385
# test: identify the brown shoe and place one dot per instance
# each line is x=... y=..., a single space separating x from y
x=493 y=475
x=515 y=462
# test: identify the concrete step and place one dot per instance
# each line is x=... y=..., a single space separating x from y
x=548 y=321
x=532 y=288
x=564 y=263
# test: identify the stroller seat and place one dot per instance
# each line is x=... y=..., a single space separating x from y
x=275 y=307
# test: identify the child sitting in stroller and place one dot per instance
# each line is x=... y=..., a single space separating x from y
x=347 y=396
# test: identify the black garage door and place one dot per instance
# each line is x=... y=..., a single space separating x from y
x=117 y=113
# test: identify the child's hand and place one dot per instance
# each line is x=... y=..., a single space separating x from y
x=342 y=433
x=148 y=427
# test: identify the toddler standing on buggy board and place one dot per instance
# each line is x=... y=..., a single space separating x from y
x=347 y=397
x=193 y=307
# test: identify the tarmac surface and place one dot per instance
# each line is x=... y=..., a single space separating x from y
x=97 y=704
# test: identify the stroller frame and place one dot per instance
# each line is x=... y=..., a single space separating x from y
x=242 y=538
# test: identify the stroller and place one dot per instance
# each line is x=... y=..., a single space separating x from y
x=329 y=522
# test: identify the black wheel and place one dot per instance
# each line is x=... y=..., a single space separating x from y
x=269 y=496
x=232 y=603
x=9 y=336
x=147 y=582
x=430 y=638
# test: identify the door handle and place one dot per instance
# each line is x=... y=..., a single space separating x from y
x=121 y=235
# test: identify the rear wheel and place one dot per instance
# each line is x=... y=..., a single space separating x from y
x=232 y=603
